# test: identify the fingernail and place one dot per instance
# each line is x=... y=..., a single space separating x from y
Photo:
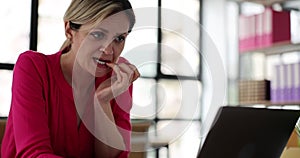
x=110 y=64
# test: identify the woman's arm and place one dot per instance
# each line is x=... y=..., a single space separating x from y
x=113 y=127
x=30 y=120
x=117 y=128
x=109 y=142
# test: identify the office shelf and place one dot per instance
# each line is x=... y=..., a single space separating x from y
x=269 y=103
x=247 y=69
x=278 y=48
x=263 y=2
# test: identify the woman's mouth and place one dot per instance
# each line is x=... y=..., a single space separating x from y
x=101 y=62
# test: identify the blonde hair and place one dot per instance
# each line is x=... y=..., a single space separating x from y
x=82 y=12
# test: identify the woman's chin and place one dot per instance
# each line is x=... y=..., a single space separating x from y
x=101 y=73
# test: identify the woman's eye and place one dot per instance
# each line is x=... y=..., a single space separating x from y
x=120 y=38
x=97 y=35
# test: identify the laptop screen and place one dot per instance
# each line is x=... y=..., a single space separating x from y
x=246 y=132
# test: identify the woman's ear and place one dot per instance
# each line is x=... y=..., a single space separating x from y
x=68 y=31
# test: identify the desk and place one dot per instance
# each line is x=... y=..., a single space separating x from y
x=292 y=152
x=2 y=129
x=140 y=141
x=157 y=144
x=139 y=138
x=292 y=149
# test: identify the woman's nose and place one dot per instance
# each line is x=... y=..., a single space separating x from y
x=108 y=49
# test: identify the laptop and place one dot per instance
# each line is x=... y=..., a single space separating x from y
x=248 y=132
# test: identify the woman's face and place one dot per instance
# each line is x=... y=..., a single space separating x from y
x=100 y=45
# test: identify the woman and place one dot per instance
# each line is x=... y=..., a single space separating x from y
x=76 y=102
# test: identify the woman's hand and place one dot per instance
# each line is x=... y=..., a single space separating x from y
x=124 y=74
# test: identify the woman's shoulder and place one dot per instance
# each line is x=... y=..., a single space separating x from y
x=31 y=54
x=36 y=60
x=34 y=56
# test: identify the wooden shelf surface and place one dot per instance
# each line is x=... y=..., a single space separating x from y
x=268 y=103
x=263 y=2
x=275 y=49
